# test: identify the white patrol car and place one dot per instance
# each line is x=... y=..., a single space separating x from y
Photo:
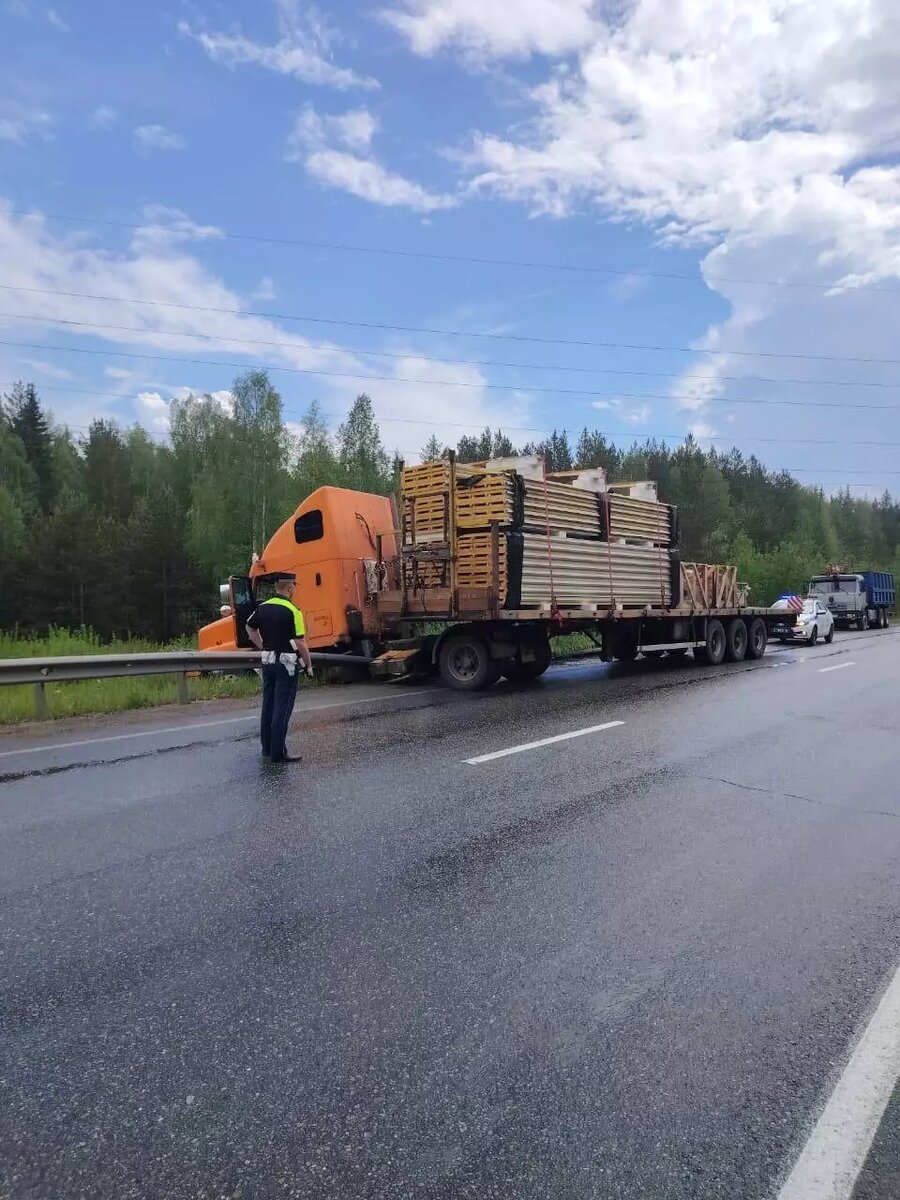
x=811 y=622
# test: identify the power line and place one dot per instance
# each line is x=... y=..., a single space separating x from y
x=454 y=383
x=660 y=436
x=433 y=256
x=770 y=470
x=476 y=425
x=210 y=337
x=382 y=326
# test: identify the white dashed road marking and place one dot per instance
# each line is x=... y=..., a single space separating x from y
x=548 y=741
x=836 y=667
x=833 y=1156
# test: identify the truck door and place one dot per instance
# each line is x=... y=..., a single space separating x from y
x=243 y=603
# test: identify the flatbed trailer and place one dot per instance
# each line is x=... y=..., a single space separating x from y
x=472 y=647
x=351 y=558
x=472 y=654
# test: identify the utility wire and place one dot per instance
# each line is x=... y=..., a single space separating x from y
x=216 y=338
x=544 y=431
x=770 y=470
x=433 y=256
x=462 y=333
x=454 y=383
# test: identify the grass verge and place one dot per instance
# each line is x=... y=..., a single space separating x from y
x=90 y=696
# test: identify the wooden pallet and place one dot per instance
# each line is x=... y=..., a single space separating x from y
x=427 y=479
x=704 y=585
x=488 y=499
x=475 y=562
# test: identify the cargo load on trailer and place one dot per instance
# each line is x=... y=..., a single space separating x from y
x=480 y=564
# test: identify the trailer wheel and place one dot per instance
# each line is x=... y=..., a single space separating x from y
x=466 y=663
x=757 y=638
x=522 y=672
x=736 y=641
x=713 y=652
x=887 y=619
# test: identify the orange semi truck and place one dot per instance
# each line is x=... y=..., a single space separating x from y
x=331 y=544
x=396 y=602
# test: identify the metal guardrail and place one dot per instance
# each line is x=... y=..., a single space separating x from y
x=40 y=671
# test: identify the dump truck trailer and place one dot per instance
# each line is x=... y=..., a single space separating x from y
x=482 y=564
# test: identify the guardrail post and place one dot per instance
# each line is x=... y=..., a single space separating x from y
x=184 y=696
x=41 y=708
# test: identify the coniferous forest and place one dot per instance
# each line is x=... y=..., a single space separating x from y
x=128 y=534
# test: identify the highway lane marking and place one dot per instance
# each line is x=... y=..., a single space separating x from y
x=832 y=1158
x=548 y=741
x=836 y=667
x=122 y=737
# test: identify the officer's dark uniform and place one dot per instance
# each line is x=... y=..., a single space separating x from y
x=278 y=621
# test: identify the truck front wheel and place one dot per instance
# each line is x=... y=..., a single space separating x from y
x=863 y=620
x=465 y=663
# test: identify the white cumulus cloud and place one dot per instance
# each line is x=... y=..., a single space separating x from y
x=767 y=135
x=265 y=289
x=486 y=29
x=57 y=22
x=302 y=51
x=336 y=150
x=47 y=369
x=104 y=117
x=152 y=411
x=193 y=313
x=20 y=124
x=369 y=180
x=148 y=138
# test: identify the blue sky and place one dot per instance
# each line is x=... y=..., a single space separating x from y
x=722 y=172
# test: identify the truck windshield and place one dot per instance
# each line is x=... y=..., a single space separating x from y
x=827 y=586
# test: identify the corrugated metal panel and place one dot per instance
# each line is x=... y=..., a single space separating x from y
x=644 y=519
x=562 y=507
x=593 y=573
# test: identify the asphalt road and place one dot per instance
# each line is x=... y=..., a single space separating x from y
x=629 y=964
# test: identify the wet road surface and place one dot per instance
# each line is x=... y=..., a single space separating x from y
x=627 y=963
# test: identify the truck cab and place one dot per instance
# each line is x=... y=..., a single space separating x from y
x=855 y=599
x=842 y=594
x=331 y=544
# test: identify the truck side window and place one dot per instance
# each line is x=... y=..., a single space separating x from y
x=308 y=527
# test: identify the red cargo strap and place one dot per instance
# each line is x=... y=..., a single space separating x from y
x=554 y=607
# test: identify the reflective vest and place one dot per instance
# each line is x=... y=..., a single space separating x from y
x=299 y=623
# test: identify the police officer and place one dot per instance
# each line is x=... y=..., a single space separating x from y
x=277 y=629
